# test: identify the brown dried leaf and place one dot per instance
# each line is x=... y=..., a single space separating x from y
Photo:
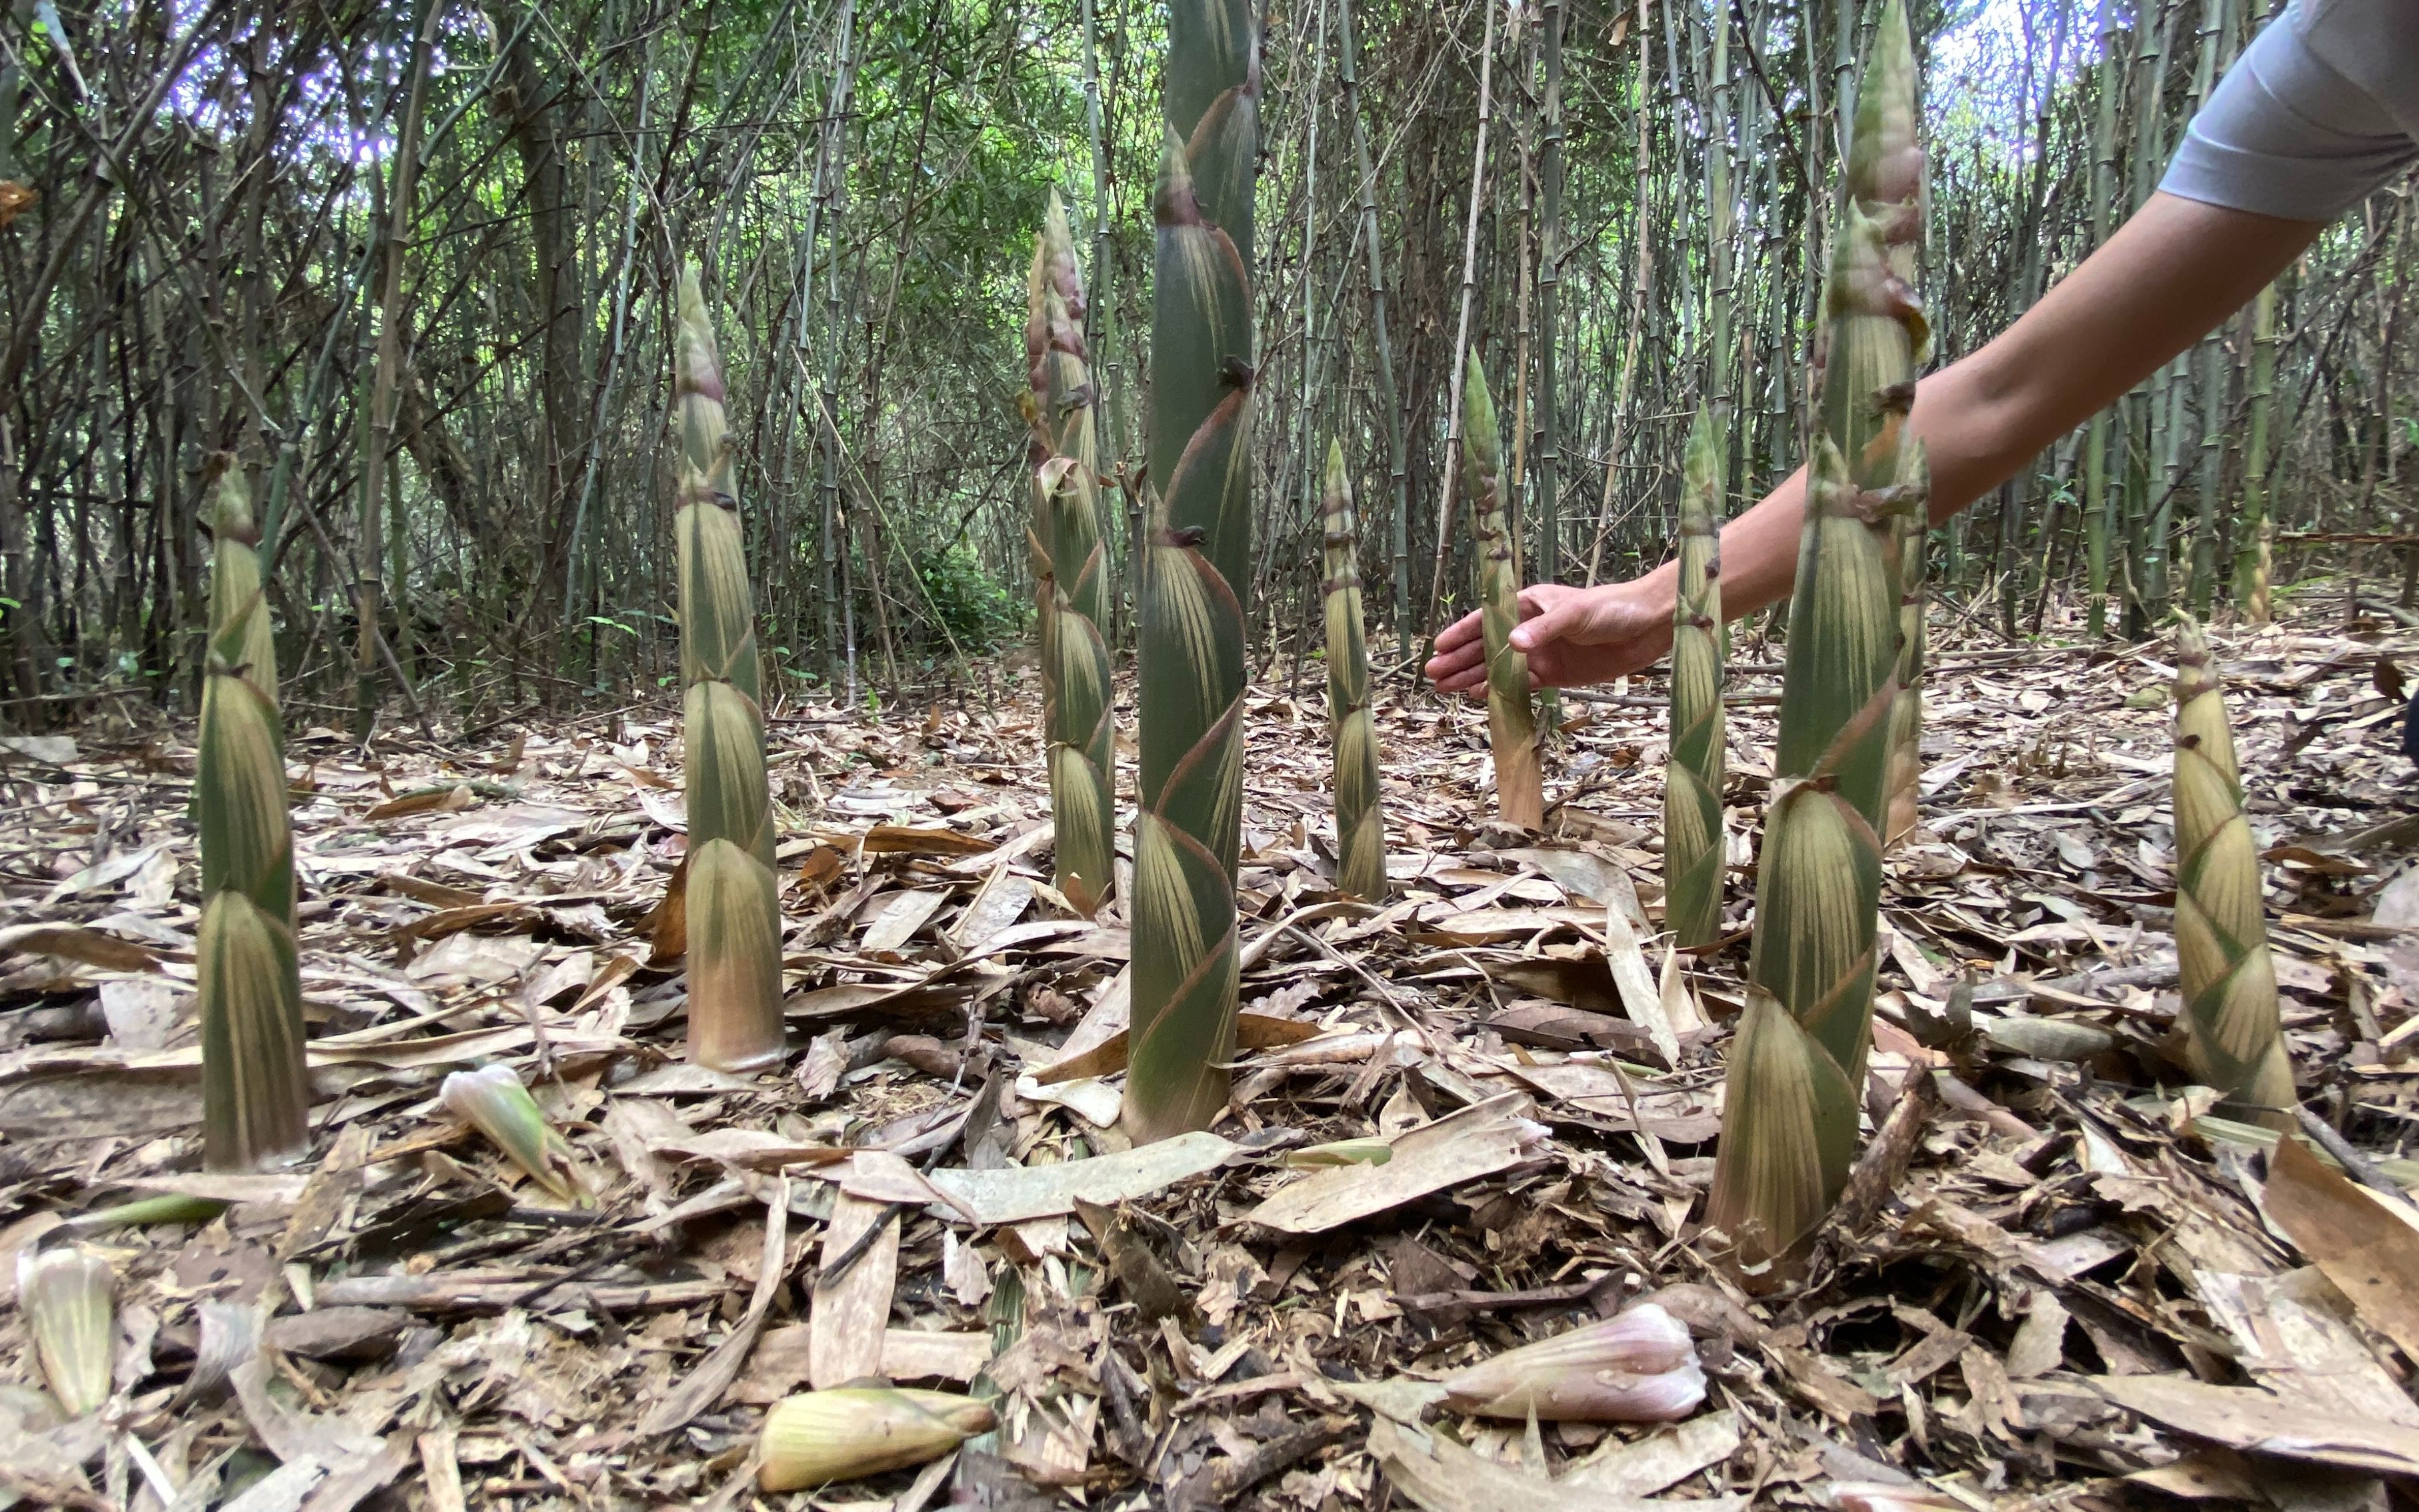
x=902 y=840
x=2367 y=1252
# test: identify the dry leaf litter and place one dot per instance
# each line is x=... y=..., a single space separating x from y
x=1476 y=1117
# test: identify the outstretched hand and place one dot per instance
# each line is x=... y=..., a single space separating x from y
x=1571 y=636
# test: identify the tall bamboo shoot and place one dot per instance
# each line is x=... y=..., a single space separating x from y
x=733 y=909
x=1196 y=564
x=2234 y=1042
x=1072 y=568
x=1799 y=1059
x=1693 y=787
x=255 y=1091
x=1511 y=712
x=1359 y=828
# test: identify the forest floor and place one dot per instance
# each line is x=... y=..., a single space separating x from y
x=2056 y=1285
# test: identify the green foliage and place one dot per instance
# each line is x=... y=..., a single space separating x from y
x=967 y=605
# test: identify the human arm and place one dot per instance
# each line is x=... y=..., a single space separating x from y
x=2169 y=276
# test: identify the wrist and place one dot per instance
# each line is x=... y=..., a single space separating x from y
x=1657 y=592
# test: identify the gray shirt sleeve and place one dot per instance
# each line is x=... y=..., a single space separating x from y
x=2315 y=114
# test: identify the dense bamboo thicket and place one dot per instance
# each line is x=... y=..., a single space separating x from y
x=415 y=266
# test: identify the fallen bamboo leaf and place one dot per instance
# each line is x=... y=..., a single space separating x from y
x=2045 y=1039
x=486 y=1290
x=782 y=1358
x=2234 y=1132
x=56 y=751
x=1663 y=1458
x=1485 y=926
x=1581 y=875
x=1092 y=1098
x=1552 y=1026
x=68 y=942
x=997 y=904
x=900 y=918
x=1252 y=1031
x=2369 y=1254
x=1340 y=1152
x=753 y=1149
x=426 y=800
x=2308 y=1354
x=902 y=840
x=339 y=1332
x=2260 y=1421
x=1403 y=1398
x=1890 y=1496
x=1442 y=1476
x=274 y=1189
x=1014 y=1193
x=1479 y=1141
x=706 y=1380
x=1639 y=993
x=850 y=1313
x=426 y=891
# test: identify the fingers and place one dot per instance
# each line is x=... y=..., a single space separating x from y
x=1461 y=632
x=1461 y=667
x=1460 y=659
x=1539 y=597
x=1555 y=618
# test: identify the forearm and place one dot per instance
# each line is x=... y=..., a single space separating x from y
x=2169 y=277
x=1974 y=439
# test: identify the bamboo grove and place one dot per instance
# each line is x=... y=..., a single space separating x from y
x=418 y=268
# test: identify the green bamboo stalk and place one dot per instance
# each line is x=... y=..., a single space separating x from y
x=1511 y=712
x=1693 y=835
x=255 y=1090
x=1722 y=214
x=732 y=900
x=1360 y=827
x=1550 y=283
x=1799 y=1057
x=2100 y=523
x=1197 y=556
x=2234 y=1042
x=1389 y=406
x=2151 y=473
x=1071 y=568
x=1905 y=776
x=2256 y=534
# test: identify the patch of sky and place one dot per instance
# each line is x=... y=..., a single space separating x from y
x=1994 y=65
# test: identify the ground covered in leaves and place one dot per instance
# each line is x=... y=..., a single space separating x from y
x=2055 y=1283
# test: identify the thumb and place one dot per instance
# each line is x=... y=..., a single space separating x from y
x=1543 y=628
